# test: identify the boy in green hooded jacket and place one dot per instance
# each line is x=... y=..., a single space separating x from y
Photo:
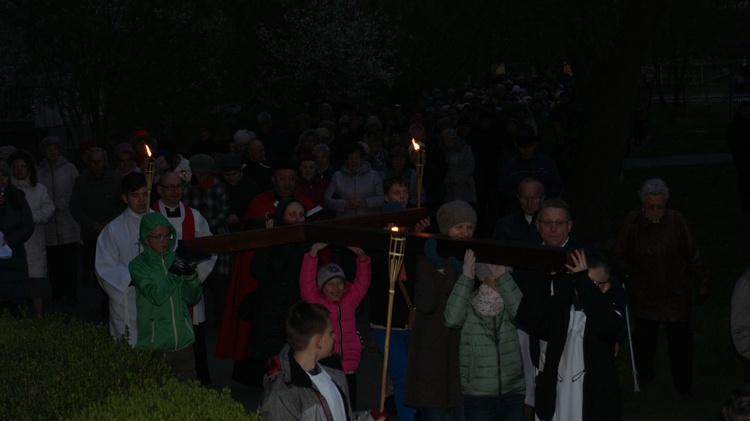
x=165 y=287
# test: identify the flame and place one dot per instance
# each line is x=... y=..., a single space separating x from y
x=394 y=229
x=415 y=144
x=148 y=151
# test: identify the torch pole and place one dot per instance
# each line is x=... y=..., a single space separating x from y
x=395 y=260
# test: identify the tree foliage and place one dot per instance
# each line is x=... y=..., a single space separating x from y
x=326 y=48
x=115 y=65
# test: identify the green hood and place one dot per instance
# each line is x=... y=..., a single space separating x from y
x=148 y=223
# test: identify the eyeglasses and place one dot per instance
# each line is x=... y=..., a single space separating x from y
x=173 y=187
x=162 y=237
x=553 y=224
x=600 y=283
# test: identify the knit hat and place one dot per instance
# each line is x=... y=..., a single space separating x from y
x=263 y=117
x=328 y=272
x=183 y=169
x=124 y=147
x=165 y=153
x=454 y=213
x=49 y=140
x=243 y=137
x=374 y=121
x=201 y=163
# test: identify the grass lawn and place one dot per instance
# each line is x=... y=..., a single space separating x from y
x=707 y=195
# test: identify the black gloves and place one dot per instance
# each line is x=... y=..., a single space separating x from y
x=186 y=260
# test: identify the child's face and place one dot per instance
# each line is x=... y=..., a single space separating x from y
x=600 y=278
x=398 y=193
x=334 y=289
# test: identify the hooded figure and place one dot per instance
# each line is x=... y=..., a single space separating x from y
x=162 y=297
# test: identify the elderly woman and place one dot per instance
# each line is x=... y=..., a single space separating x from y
x=356 y=189
x=322 y=155
x=25 y=179
x=658 y=257
x=62 y=232
x=16 y=226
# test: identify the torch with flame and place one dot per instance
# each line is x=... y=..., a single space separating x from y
x=149 y=173
x=395 y=261
x=419 y=151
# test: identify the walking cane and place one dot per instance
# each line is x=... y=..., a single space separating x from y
x=630 y=341
x=395 y=259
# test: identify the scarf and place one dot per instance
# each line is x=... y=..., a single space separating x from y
x=487 y=301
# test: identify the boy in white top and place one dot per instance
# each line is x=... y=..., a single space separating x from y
x=306 y=370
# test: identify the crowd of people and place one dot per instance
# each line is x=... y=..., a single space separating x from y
x=475 y=340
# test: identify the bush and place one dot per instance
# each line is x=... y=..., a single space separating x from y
x=54 y=369
x=171 y=400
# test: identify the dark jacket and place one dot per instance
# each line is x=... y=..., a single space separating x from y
x=240 y=196
x=664 y=266
x=432 y=371
x=96 y=200
x=379 y=295
x=514 y=228
x=17 y=225
x=546 y=316
x=276 y=270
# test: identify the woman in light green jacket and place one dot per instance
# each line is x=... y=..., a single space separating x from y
x=492 y=379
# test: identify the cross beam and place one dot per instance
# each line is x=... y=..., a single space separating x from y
x=367 y=232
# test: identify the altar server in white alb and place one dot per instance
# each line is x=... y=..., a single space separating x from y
x=117 y=245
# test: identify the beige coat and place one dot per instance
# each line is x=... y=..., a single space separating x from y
x=42 y=210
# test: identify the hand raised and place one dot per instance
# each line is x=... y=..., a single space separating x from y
x=579 y=262
x=470 y=262
x=316 y=248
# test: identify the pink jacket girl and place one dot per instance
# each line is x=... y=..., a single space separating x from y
x=341 y=298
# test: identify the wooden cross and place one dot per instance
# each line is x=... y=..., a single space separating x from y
x=367 y=232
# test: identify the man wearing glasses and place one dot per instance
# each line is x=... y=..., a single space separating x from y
x=188 y=223
x=573 y=318
x=520 y=226
x=117 y=245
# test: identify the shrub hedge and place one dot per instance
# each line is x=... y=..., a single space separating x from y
x=54 y=368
